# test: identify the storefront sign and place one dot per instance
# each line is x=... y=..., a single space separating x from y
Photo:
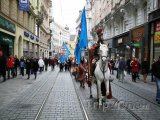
x=157 y=38
x=7 y=25
x=24 y=5
x=138 y=34
x=26 y=34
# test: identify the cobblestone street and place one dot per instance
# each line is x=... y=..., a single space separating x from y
x=56 y=95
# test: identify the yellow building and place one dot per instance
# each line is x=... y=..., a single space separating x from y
x=72 y=44
x=25 y=33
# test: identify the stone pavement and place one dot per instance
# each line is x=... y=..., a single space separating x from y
x=138 y=98
x=62 y=102
x=12 y=88
x=26 y=105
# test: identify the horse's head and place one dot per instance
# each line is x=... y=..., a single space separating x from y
x=103 y=52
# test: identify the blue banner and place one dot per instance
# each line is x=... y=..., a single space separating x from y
x=83 y=42
x=24 y=5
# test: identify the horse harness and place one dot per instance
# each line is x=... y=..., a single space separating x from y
x=102 y=68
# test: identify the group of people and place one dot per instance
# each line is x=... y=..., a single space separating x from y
x=133 y=67
x=66 y=65
x=11 y=65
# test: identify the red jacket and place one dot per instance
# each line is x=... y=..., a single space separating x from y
x=135 y=66
x=10 y=62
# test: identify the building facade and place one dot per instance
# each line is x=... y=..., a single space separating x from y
x=60 y=35
x=21 y=31
x=44 y=7
x=125 y=24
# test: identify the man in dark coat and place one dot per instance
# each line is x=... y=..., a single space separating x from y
x=2 y=66
x=16 y=65
x=35 y=67
x=46 y=63
x=156 y=73
x=28 y=67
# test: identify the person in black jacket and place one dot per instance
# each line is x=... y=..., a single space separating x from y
x=156 y=73
x=35 y=67
x=28 y=67
x=16 y=65
x=2 y=66
x=145 y=69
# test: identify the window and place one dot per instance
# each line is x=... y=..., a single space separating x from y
x=158 y=3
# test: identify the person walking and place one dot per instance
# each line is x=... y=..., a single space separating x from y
x=10 y=66
x=156 y=73
x=35 y=67
x=46 y=62
x=28 y=67
x=16 y=64
x=134 y=68
x=81 y=74
x=22 y=66
x=145 y=69
x=41 y=64
x=121 y=68
x=116 y=67
x=152 y=76
x=2 y=66
x=128 y=66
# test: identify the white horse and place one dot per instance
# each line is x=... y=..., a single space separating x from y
x=101 y=72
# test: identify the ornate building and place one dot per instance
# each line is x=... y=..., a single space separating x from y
x=125 y=24
x=21 y=31
x=60 y=35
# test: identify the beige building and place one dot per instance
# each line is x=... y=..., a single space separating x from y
x=44 y=27
x=24 y=33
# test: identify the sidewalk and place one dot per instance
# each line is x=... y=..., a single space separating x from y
x=145 y=90
x=128 y=93
x=12 y=88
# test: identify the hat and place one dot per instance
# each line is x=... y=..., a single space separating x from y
x=99 y=31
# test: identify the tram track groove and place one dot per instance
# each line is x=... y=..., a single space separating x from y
x=86 y=117
x=123 y=106
x=136 y=94
x=45 y=99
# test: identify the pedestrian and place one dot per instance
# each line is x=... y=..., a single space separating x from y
x=28 y=67
x=22 y=65
x=156 y=73
x=112 y=66
x=128 y=66
x=121 y=69
x=134 y=68
x=116 y=66
x=41 y=64
x=10 y=66
x=2 y=66
x=66 y=66
x=16 y=64
x=145 y=69
x=31 y=60
x=152 y=76
x=61 y=67
x=46 y=62
x=81 y=73
x=35 y=67
x=52 y=62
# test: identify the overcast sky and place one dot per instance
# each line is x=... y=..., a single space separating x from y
x=65 y=12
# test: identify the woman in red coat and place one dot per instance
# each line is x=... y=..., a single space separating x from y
x=135 y=68
x=10 y=66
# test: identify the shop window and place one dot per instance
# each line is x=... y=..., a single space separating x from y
x=158 y=3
